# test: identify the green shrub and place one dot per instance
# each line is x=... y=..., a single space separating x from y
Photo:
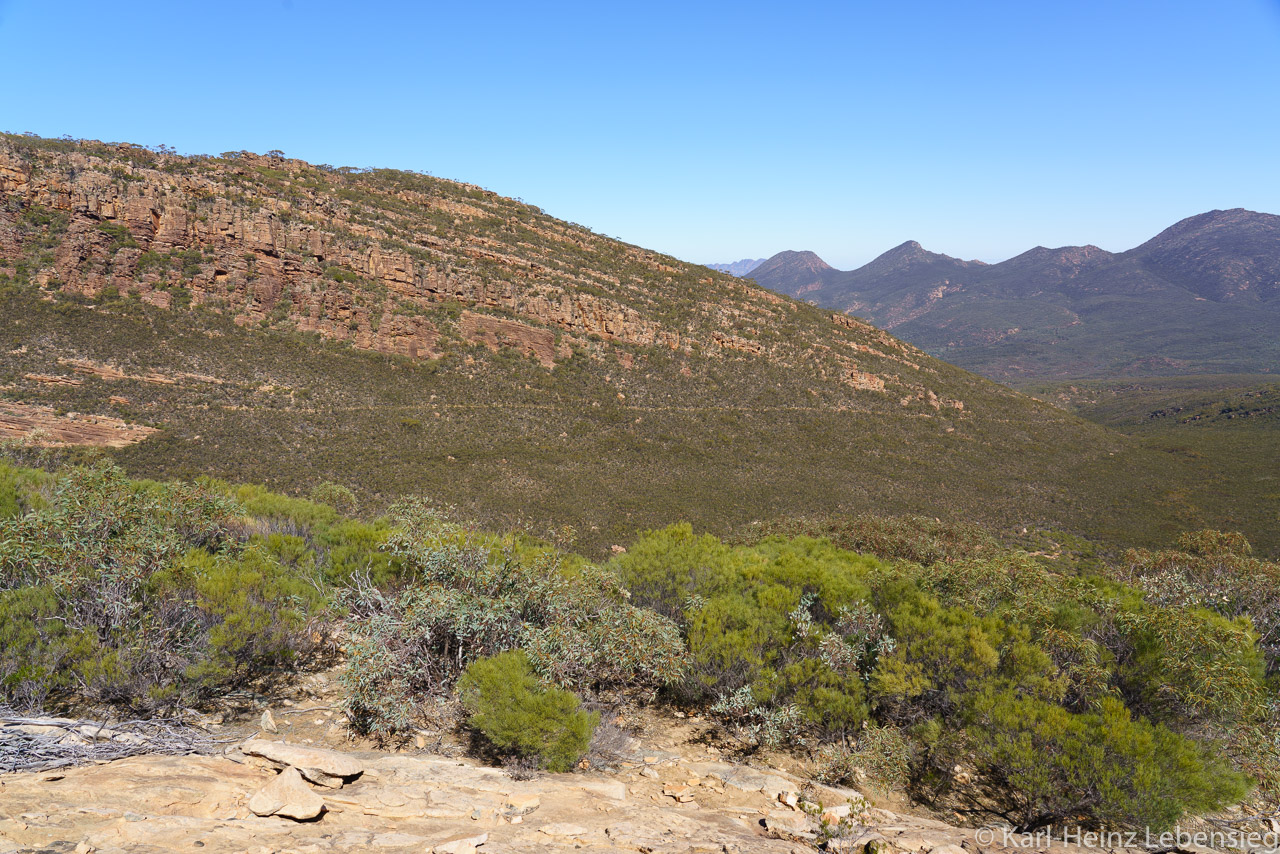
x=773 y=628
x=336 y=496
x=120 y=235
x=290 y=514
x=517 y=714
x=354 y=554
x=21 y=490
x=39 y=654
x=254 y=606
x=913 y=538
x=473 y=596
x=1040 y=764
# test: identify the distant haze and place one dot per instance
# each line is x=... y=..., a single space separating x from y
x=738 y=268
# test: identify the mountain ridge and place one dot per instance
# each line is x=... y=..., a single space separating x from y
x=1191 y=299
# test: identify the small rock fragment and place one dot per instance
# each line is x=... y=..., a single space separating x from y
x=788 y=825
x=522 y=804
x=287 y=795
x=681 y=793
x=268 y=722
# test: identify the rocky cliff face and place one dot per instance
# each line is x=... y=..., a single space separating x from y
x=387 y=261
x=280 y=242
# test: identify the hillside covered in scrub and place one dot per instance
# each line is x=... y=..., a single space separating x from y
x=263 y=319
x=987 y=683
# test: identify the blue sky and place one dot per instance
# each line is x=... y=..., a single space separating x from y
x=713 y=133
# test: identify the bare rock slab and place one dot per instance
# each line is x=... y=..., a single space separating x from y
x=322 y=767
x=464 y=844
x=288 y=796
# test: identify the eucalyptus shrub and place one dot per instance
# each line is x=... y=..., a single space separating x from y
x=474 y=597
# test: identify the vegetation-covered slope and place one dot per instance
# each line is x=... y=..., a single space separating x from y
x=1200 y=297
x=1226 y=426
x=285 y=323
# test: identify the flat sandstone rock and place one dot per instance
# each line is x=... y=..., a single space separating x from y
x=323 y=767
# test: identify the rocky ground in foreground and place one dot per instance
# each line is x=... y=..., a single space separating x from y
x=403 y=803
x=282 y=792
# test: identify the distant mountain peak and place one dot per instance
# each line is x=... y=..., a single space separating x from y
x=1067 y=256
x=908 y=253
x=803 y=256
x=802 y=272
x=793 y=262
x=738 y=268
x=1212 y=220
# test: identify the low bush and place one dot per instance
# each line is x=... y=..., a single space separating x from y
x=475 y=596
x=882 y=754
x=912 y=538
x=1039 y=764
x=517 y=714
x=21 y=490
x=776 y=632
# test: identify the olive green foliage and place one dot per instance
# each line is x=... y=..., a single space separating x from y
x=913 y=538
x=778 y=631
x=1040 y=764
x=1218 y=572
x=313 y=536
x=21 y=490
x=475 y=596
x=335 y=495
x=517 y=714
x=137 y=593
x=1215 y=575
x=151 y=595
x=974 y=655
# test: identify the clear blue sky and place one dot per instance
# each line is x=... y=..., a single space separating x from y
x=714 y=133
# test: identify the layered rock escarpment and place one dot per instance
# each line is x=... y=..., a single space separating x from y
x=392 y=262
x=275 y=246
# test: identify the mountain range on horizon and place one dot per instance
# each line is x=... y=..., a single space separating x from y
x=1203 y=296
x=738 y=268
